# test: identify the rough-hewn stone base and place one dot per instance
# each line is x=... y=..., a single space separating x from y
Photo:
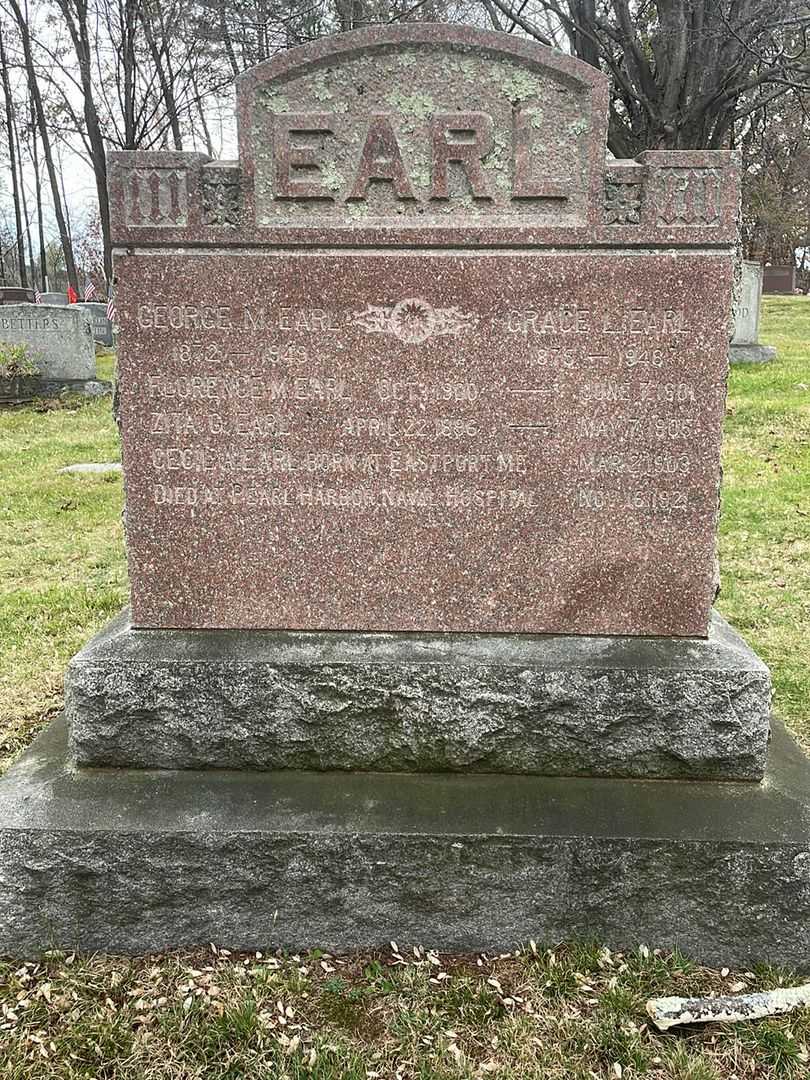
x=751 y=354
x=665 y=707
x=137 y=860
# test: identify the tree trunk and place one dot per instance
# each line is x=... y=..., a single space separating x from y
x=127 y=15
x=226 y=36
x=76 y=19
x=209 y=145
x=12 y=161
x=43 y=258
x=28 y=237
x=164 y=72
x=31 y=73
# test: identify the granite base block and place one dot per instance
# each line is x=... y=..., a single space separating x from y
x=137 y=860
x=752 y=354
x=660 y=707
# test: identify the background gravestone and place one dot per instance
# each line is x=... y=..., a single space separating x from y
x=58 y=298
x=59 y=342
x=102 y=327
x=779 y=280
x=745 y=347
x=415 y=498
x=11 y=295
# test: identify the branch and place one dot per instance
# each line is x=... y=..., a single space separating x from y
x=523 y=23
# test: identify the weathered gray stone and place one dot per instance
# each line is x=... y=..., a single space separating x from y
x=92 y=467
x=27 y=389
x=58 y=299
x=664 y=707
x=133 y=860
x=746 y=307
x=752 y=354
x=59 y=342
x=745 y=347
x=102 y=327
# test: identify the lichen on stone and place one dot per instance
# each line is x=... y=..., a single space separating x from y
x=274 y=101
x=332 y=179
x=518 y=85
x=415 y=104
x=320 y=91
x=535 y=113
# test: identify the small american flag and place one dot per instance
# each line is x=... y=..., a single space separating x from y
x=37 y=296
x=111 y=308
x=89 y=289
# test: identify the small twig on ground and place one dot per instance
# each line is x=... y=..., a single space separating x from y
x=667 y=1012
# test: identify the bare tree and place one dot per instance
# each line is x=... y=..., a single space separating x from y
x=34 y=154
x=36 y=95
x=13 y=161
x=684 y=73
x=24 y=200
x=776 y=196
x=76 y=16
x=159 y=39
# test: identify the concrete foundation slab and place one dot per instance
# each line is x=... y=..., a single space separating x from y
x=133 y=860
x=557 y=705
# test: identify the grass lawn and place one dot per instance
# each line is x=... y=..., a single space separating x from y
x=565 y=1012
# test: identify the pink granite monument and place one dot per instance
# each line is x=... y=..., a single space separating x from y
x=421 y=359
x=421 y=405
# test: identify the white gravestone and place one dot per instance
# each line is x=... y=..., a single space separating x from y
x=745 y=347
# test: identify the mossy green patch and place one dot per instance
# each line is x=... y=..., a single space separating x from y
x=516 y=83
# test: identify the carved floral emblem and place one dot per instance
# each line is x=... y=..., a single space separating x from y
x=622 y=203
x=221 y=195
x=414 y=320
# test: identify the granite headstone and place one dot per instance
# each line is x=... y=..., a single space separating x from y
x=60 y=299
x=410 y=406
x=745 y=346
x=779 y=280
x=427 y=483
x=449 y=383
x=59 y=344
x=102 y=327
x=10 y=294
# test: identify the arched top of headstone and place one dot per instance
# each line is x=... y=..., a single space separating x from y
x=440 y=38
x=423 y=135
x=423 y=124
